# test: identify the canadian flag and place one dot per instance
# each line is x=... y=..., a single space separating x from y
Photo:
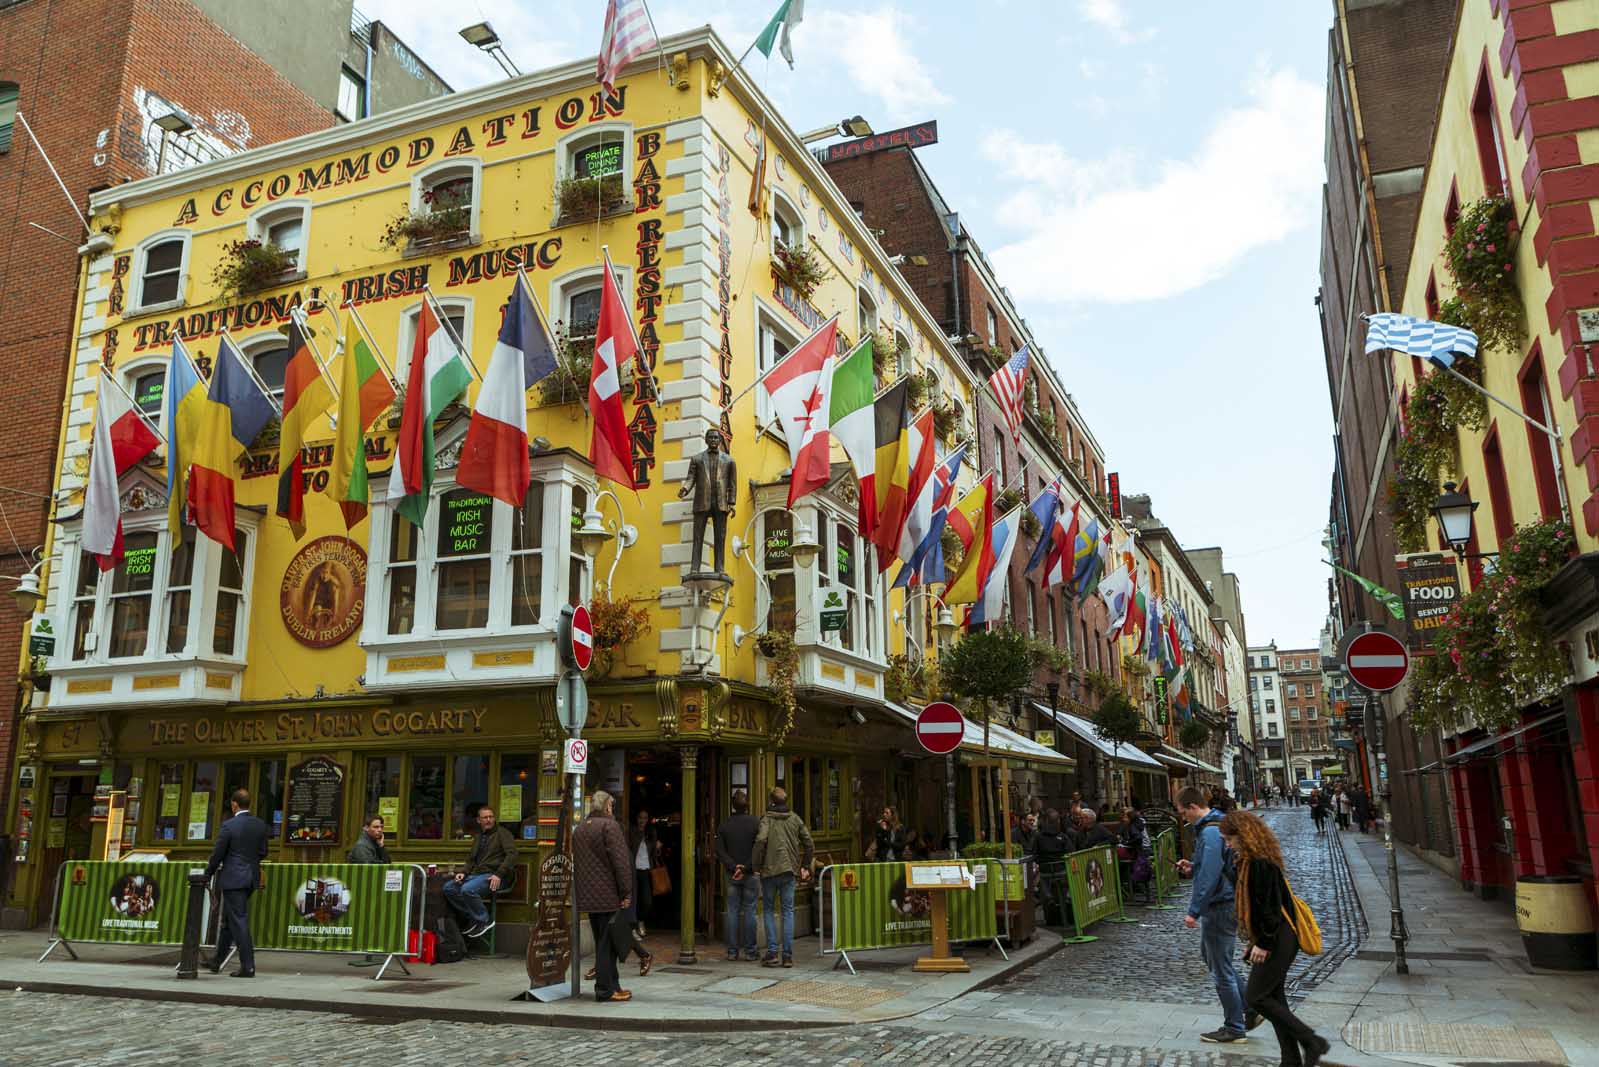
x=121 y=439
x=614 y=344
x=799 y=388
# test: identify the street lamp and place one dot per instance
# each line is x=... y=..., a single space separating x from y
x=1454 y=512
x=593 y=535
x=482 y=35
x=944 y=621
x=855 y=126
x=805 y=547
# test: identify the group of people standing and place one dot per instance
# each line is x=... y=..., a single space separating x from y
x=1344 y=804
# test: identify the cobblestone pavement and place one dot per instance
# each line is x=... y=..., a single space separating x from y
x=76 y=1031
x=1157 y=959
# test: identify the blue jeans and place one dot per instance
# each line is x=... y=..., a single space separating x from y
x=1218 y=944
x=467 y=897
x=741 y=913
x=773 y=887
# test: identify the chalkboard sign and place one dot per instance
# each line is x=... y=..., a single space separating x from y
x=466 y=524
x=549 y=949
x=314 y=802
x=599 y=161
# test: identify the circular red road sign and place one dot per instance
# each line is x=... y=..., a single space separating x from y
x=1377 y=661
x=582 y=638
x=939 y=727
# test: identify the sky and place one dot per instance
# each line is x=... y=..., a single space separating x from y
x=1146 y=178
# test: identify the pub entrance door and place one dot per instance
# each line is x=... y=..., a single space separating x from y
x=62 y=824
x=654 y=812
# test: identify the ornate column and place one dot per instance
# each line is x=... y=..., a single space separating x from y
x=685 y=876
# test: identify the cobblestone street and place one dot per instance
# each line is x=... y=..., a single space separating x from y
x=1158 y=958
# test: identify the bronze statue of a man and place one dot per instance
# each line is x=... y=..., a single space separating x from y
x=713 y=480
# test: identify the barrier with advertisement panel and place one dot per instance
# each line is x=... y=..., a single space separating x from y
x=1165 y=865
x=872 y=909
x=300 y=907
x=1095 y=887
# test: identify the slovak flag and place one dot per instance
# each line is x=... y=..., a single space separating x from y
x=610 y=450
x=121 y=439
x=494 y=455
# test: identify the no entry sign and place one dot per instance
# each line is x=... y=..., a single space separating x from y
x=582 y=638
x=939 y=728
x=1377 y=661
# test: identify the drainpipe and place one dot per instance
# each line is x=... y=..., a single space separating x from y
x=952 y=222
x=366 y=76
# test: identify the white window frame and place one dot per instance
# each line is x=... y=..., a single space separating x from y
x=864 y=301
x=567 y=148
x=556 y=548
x=405 y=331
x=263 y=341
x=993 y=324
x=263 y=219
x=792 y=216
x=769 y=326
x=202 y=609
x=903 y=353
x=870 y=618
x=568 y=285
x=129 y=373
x=444 y=170
x=141 y=252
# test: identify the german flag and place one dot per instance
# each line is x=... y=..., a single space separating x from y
x=306 y=395
x=891 y=415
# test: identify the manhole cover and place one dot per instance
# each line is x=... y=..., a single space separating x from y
x=417 y=987
x=826 y=994
x=1485 y=1042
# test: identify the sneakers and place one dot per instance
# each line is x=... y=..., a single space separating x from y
x=1223 y=1036
x=751 y=955
x=771 y=960
x=732 y=955
x=477 y=930
x=788 y=961
x=1253 y=1019
x=1315 y=1049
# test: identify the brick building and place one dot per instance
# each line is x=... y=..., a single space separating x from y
x=114 y=91
x=1304 y=713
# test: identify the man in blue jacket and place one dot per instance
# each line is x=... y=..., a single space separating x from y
x=1210 y=909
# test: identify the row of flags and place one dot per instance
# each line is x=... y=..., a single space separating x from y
x=210 y=423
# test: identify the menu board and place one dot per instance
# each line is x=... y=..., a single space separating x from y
x=937 y=876
x=314 y=802
x=549 y=949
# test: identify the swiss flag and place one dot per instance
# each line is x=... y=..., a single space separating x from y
x=614 y=344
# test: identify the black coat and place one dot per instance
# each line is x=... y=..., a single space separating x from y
x=240 y=848
x=890 y=844
x=367 y=850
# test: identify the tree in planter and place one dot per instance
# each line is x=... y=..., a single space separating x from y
x=1116 y=721
x=985 y=666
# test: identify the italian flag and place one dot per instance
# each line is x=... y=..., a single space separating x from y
x=365 y=392
x=438 y=375
x=850 y=411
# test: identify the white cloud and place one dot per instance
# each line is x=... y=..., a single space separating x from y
x=873 y=47
x=1111 y=16
x=1108 y=231
x=534 y=38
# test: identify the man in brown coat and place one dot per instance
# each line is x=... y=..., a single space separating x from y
x=604 y=884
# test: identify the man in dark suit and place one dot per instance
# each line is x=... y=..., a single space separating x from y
x=241 y=846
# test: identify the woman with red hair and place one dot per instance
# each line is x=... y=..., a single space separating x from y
x=1263 y=903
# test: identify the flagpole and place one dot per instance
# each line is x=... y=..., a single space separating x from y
x=178 y=343
x=444 y=321
x=638 y=347
x=250 y=370
x=309 y=334
x=107 y=376
x=762 y=376
x=366 y=334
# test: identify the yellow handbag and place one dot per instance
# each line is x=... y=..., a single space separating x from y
x=1303 y=920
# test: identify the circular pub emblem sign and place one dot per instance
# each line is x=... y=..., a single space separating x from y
x=324 y=592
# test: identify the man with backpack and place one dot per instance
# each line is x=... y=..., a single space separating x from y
x=1210 y=910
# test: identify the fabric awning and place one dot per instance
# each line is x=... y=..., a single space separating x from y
x=1179 y=758
x=1129 y=755
x=1488 y=743
x=1001 y=740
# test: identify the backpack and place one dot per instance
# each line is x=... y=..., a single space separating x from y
x=1303 y=920
x=451 y=946
x=1229 y=862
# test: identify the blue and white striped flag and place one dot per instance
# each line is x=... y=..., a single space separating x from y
x=1436 y=341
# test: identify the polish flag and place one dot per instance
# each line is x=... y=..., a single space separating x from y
x=610 y=450
x=121 y=439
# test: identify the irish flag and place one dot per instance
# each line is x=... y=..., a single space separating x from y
x=121 y=439
x=494 y=457
x=365 y=392
x=437 y=376
x=850 y=413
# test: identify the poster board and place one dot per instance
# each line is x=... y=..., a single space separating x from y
x=872 y=907
x=331 y=907
x=314 y=802
x=1095 y=885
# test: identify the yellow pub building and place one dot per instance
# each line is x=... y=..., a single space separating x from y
x=421 y=663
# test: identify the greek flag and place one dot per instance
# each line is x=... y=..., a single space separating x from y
x=1435 y=341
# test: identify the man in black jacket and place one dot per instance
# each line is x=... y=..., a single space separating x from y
x=735 y=847
x=240 y=848
x=490 y=866
x=369 y=847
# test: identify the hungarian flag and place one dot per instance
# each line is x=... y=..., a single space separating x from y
x=791 y=385
x=925 y=563
x=610 y=449
x=850 y=416
x=976 y=511
x=494 y=457
x=234 y=412
x=185 y=396
x=121 y=439
x=437 y=376
x=306 y=395
x=990 y=606
x=365 y=392
x=890 y=466
x=898 y=539
x=814 y=466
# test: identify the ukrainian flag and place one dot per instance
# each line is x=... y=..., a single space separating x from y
x=185 y=395
x=233 y=414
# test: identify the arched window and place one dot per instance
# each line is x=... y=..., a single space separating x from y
x=457 y=316
x=286 y=225
x=268 y=353
x=160 y=270
x=591 y=172
x=788 y=225
x=452 y=190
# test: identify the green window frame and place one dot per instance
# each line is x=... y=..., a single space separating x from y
x=434 y=790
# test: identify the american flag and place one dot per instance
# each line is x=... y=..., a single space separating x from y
x=629 y=33
x=1008 y=383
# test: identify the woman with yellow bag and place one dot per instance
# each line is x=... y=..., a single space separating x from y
x=1275 y=924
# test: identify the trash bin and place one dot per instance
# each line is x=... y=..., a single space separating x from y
x=1555 y=916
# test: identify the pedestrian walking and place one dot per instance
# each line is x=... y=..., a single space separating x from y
x=1318 y=810
x=735 y=847
x=645 y=848
x=1341 y=807
x=1264 y=905
x=236 y=865
x=1210 y=911
x=783 y=854
x=603 y=881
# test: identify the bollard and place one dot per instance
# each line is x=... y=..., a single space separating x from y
x=189 y=958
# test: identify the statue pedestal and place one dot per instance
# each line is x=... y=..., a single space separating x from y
x=706 y=588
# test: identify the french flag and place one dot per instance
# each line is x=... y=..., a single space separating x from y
x=494 y=456
x=121 y=439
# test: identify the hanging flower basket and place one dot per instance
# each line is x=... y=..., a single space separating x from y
x=946 y=421
x=801 y=268
x=586 y=199
x=1480 y=255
